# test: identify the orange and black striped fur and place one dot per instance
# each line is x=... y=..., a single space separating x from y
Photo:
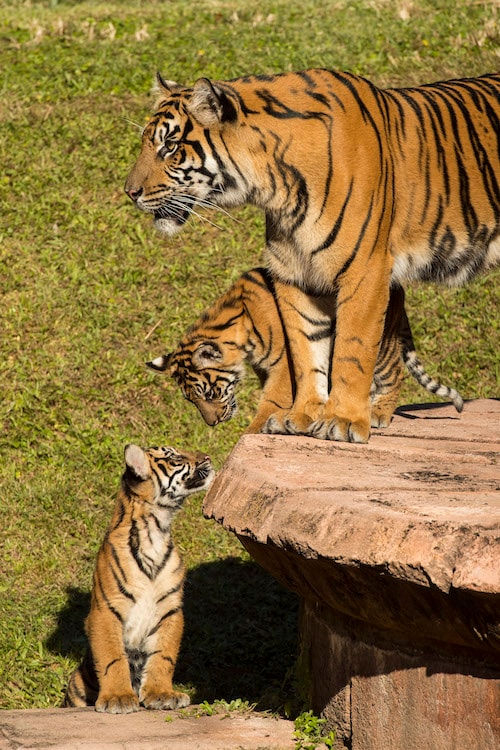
x=361 y=187
x=135 y=623
x=244 y=325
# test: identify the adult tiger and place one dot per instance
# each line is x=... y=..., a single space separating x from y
x=359 y=186
x=244 y=324
x=135 y=622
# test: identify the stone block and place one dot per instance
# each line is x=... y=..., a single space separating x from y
x=393 y=548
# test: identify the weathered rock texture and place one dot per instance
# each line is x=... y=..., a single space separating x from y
x=84 y=729
x=394 y=550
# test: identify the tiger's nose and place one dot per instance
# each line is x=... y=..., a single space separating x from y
x=133 y=193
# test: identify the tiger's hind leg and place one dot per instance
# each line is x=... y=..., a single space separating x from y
x=397 y=351
x=82 y=687
x=389 y=370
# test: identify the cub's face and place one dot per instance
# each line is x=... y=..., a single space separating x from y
x=213 y=396
x=164 y=476
x=205 y=377
x=181 y=165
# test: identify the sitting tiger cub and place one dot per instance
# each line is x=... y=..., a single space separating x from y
x=136 y=620
x=245 y=324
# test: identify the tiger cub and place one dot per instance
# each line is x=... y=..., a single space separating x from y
x=136 y=620
x=244 y=324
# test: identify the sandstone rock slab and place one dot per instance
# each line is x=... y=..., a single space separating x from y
x=84 y=729
x=394 y=549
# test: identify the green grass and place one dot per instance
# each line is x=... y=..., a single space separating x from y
x=90 y=291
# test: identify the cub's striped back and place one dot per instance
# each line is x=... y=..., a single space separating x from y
x=245 y=325
x=135 y=623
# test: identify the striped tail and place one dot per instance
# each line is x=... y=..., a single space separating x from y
x=416 y=368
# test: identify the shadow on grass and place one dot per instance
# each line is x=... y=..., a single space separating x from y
x=240 y=637
x=69 y=639
x=240 y=634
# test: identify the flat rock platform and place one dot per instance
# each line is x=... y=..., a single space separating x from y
x=84 y=729
x=394 y=550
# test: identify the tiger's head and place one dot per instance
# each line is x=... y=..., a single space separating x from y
x=162 y=477
x=207 y=373
x=183 y=162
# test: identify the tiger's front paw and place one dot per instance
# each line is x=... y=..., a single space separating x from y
x=342 y=430
x=273 y=426
x=166 y=700
x=117 y=704
x=288 y=423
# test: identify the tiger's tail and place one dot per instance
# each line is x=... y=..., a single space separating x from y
x=417 y=370
x=82 y=688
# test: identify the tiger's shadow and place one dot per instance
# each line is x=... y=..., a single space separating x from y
x=240 y=633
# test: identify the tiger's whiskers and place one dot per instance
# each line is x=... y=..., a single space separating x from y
x=189 y=201
x=140 y=128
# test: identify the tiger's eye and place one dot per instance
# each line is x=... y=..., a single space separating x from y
x=168 y=148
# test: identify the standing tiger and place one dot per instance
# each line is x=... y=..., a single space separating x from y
x=361 y=187
x=136 y=621
x=245 y=324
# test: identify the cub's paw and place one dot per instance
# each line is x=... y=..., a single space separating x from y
x=382 y=410
x=341 y=430
x=163 y=701
x=380 y=419
x=118 y=704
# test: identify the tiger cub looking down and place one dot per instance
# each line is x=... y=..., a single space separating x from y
x=245 y=324
x=136 y=620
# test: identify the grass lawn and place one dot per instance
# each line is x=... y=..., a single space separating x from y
x=90 y=292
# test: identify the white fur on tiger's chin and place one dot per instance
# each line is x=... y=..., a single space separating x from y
x=168 y=226
x=158 y=362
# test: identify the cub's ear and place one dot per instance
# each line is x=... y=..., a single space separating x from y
x=207 y=355
x=211 y=105
x=137 y=461
x=161 y=364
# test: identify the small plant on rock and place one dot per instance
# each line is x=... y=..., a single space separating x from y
x=309 y=732
x=218 y=707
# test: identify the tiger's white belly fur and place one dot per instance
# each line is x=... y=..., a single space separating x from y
x=146 y=610
x=413 y=263
x=141 y=619
x=493 y=258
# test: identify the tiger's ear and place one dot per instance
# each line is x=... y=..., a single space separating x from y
x=163 y=89
x=137 y=461
x=161 y=364
x=207 y=355
x=211 y=105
